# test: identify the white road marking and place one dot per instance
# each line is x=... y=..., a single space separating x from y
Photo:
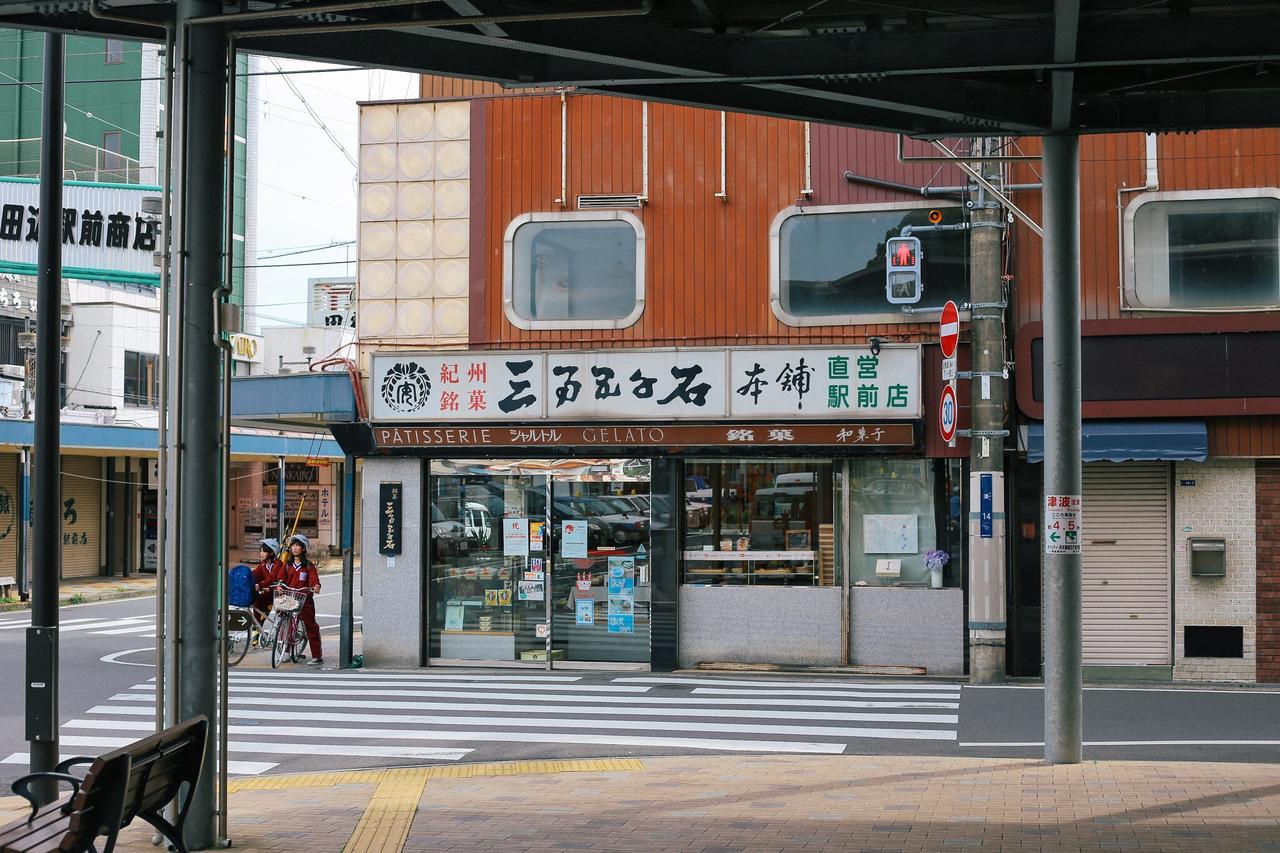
x=236 y=768
x=769 y=683
x=110 y=623
x=1029 y=744
x=365 y=679
x=8 y=625
x=268 y=747
x=136 y=629
x=577 y=716
x=852 y=694
x=285 y=687
x=114 y=657
x=558 y=738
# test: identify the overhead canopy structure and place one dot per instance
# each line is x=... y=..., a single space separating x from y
x=934 y=68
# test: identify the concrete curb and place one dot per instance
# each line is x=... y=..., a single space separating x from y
x=89 y=598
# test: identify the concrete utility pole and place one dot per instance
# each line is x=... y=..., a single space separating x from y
x=202 y=78
x=1062 y=465
x=987 y=610
x=46 y=516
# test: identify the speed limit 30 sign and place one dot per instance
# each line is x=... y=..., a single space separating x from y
x=948 y=413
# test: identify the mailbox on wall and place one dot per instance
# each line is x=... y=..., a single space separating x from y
x=1208 y=557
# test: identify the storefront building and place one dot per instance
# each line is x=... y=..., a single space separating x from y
x=601 y=435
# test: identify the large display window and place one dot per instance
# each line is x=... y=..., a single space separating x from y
x=540 y=560
x=761 y=522
x=906 y=518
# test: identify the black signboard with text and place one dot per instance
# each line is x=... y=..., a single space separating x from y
x=390 y=518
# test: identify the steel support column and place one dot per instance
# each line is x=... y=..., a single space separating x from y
x=1062 y=472
x=281 y=525
x=46 y=553
x=202 y=62
x=346 y=621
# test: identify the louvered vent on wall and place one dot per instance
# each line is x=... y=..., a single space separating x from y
x=611 y=202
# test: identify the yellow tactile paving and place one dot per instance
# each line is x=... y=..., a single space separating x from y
x=517 y=768
x=385 y=824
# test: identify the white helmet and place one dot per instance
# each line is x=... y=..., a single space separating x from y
x=301 y=540
x=272 y=545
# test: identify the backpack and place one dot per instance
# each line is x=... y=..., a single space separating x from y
x=240 y=586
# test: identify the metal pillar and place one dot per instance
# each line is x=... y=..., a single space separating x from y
x=1062 y=474
x=347 y=622
x=42 y=636
x=201 y=63
x=281 y=527
x=24 y=525
x=987 y=609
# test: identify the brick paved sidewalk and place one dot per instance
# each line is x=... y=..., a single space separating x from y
x=716 y=804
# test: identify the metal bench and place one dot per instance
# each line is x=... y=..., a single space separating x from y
x=138 y=780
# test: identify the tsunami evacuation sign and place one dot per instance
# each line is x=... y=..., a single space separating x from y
x=1062 y=524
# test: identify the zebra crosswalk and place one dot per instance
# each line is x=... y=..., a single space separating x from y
x=352 y=718
x=142 y=627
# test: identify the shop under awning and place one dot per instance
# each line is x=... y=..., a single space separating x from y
x=117 y=439
x=1132 y=441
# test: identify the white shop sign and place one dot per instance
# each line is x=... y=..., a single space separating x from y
x=104 y=231
x=670 y=385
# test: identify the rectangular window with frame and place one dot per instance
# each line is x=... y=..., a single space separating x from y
x=1210 y=251
x=111 y=159
x=574 y=270
x=828 y=262
x=755 y=522
x=141 y=380
x=113 y=54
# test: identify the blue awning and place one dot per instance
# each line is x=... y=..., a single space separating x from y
x=130 y=440
x=1132 y=441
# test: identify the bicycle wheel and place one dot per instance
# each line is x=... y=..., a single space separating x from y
x=237 y=645
x=282 y=643
x=299 y=650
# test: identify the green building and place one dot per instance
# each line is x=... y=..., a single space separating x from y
x=115 y=123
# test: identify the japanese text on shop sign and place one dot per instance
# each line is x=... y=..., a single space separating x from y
x=389 y=518
x=81 y=228
x=650 y=384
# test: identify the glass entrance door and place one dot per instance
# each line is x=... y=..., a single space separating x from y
x=540 y=559
x=600 y=569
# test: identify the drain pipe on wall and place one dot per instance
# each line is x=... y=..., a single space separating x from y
x=1152 y=184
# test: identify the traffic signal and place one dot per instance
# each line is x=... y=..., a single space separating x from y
x=902 y=270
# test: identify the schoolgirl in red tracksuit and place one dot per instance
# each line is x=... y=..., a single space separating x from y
x=300 y=573
x=264 y=575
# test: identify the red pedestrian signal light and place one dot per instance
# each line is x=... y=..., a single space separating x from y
x=902 y=270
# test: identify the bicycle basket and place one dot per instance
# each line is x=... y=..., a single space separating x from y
x=288 y=602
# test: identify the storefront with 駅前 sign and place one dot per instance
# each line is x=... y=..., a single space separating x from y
x=658 y=509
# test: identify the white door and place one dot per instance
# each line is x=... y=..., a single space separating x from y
x=1126 y=564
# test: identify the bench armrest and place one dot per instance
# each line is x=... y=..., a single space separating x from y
x=22 y=787
x=65 y=766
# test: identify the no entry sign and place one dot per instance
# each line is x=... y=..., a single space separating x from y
x=947 y=413
x=949 y=329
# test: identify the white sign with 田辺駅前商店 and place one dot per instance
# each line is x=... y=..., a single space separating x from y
x=742 y=384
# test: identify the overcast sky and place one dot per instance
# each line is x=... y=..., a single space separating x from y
x=306 y=185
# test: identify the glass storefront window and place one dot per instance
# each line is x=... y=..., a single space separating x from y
x=759 y=522
x=530 y=551
x=897 y=519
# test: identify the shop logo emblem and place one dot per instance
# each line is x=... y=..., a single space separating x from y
x=406 y=387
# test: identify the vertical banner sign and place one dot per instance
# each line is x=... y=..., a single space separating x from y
x=390 y=518
x=573 y=539
x=1062 y=524
x=515 y=537
x=986 y=516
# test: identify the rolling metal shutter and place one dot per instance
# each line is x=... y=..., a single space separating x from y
x=10 y=515
x=1126 y=564
x=82 y=520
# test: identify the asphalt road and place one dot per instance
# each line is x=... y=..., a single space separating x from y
x=298 y=719
x=105 y=647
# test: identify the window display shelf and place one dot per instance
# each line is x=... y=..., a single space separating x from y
x=748 y=556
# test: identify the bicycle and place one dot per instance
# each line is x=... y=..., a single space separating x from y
x=291 y=635
x=245 y=629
